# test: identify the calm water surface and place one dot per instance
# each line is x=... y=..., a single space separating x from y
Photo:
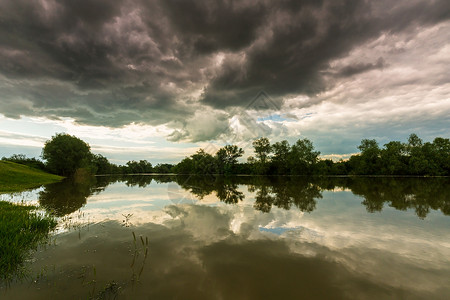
x=158 y=237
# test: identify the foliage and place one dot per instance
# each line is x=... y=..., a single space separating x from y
x=21 y=229
x=101 y=164
x=262 y=149
x=200 y=163
x=138 y=167
x=65 y=154
x=412 y=158
x=368 y=162
x=280 y=158
x=227 y=158
x=395 y=158
x=16 y=177
x=163 y=168
x=303 y=157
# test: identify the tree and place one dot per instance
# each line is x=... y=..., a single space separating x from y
x=203 y=163
x=262 y=149
x=369 y=162
x=393 y=159
x=414 y=142
x=280 y=157
x=442 y=148
x=417 y=161
x=302 y=157
x=137 y=167
x=65 y=154
x=101 y=163
x=163 y=168
x=200 y=163
x=227 y=158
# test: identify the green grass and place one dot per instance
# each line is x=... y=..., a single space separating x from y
x=15 y=177
x=22 y=229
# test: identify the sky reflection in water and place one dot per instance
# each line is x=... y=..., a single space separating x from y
x=245 y=237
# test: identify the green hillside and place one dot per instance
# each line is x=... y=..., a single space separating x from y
x=15 y=177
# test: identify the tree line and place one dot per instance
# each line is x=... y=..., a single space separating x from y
x=414 y=158
x=66 y=155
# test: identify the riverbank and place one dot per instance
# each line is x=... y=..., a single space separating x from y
x=22 y=228
x=15 y=177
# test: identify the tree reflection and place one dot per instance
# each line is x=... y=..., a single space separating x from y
x=199 y=186
x=228 y=193
x=263 y=200
x=287 y=192
x=420 y=194
x=65 y=197
x=138 y=180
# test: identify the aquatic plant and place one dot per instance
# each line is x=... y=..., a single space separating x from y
x=22 y=229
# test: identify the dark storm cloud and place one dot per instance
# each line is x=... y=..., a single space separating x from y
x=117 y=62
x=208 y=26
x=303 y=41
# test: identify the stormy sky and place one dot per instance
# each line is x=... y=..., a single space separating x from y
x=159 y=79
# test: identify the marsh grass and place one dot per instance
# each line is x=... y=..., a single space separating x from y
x=22 y=229
x=15 y=177
x=137 y=252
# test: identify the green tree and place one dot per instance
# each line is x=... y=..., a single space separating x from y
x=442 y=148
x=200 y=163
x=262 y=149
x=101 y=163
x=369 y=162
x=414 y=142
x=163 y=168
x=280 y=156
x=185 y=166
x=137 y=167
x=227 y=158
x=302 y=157
x=203 y=163
x=417 y=161
x=393 y=158
x=65 y=154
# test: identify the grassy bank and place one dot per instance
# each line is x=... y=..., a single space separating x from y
x=15 y=177
x=21 y=230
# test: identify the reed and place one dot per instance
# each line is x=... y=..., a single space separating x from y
x=22 y=229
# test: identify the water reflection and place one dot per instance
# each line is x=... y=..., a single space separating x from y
x=216 y=263
x=70 y=195
x=246 y=238
x=420 y=194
